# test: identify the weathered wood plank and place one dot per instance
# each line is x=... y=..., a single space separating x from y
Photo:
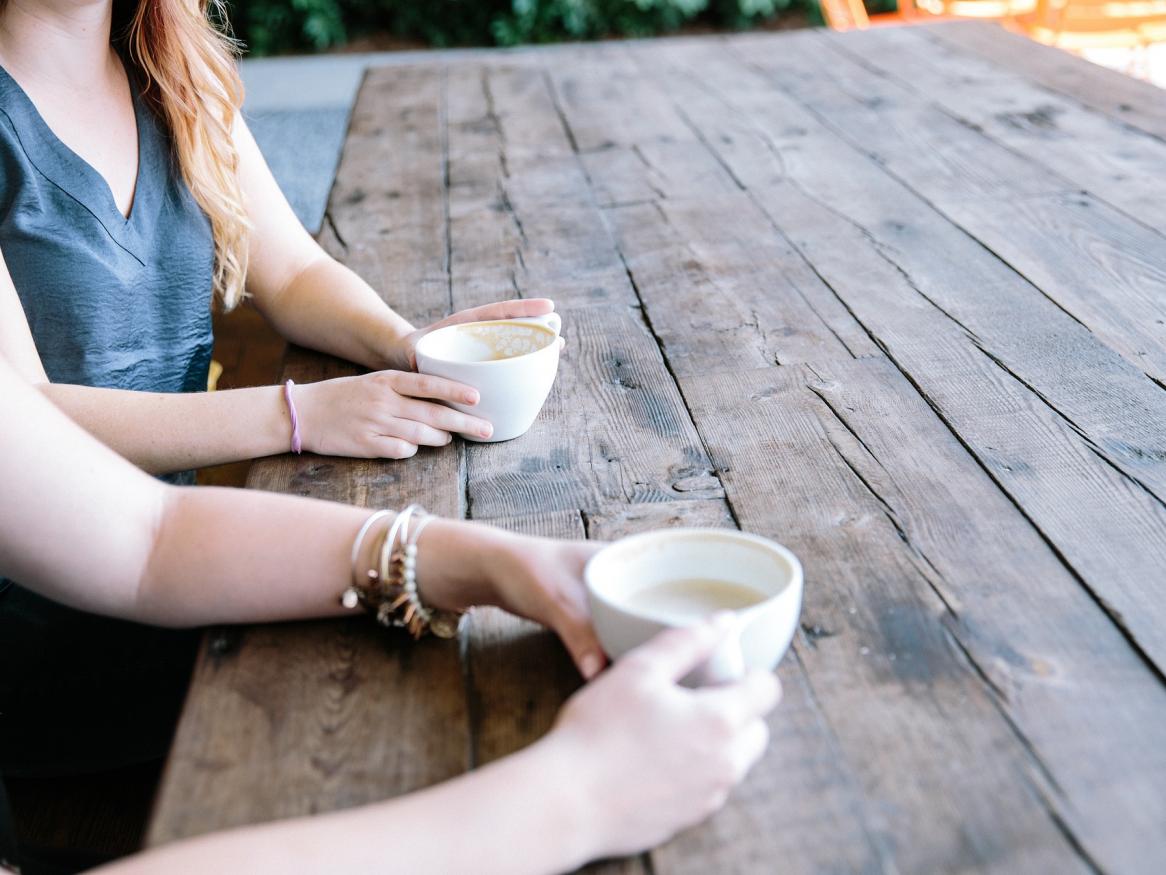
x=656 y=171
x=724 y=291
x=1137 y=104
x=736 y=295
x=1119 y=165
x=862 y=218
x=387 y=210
x=518 y=674
x=614 y=430
x=945 y=783
x=1036 y=221
x=1108 y=527
x=634 y=438
x=619 y=522
x=1109 y=401
x=323 y=706
x=523 y=222
x=1051 y=658
x=605 y=103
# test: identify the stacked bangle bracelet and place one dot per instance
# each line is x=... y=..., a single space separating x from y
x=388 y=591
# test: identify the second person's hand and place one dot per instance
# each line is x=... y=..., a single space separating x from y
x=661 y=757
x=403 y=353
x=385 y=415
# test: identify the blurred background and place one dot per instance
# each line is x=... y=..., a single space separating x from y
x=281 y=26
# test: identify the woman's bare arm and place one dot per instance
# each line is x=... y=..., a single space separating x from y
x=315 y=301
x=82 y=526
x=633 y=757
x=384 y=415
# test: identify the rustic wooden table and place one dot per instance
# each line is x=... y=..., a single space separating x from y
x=896 y=299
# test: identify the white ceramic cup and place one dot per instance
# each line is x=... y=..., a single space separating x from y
x=511 y=362
x=762 y=632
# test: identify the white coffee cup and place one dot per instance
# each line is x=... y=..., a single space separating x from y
x=620 y=576
x=511 y=362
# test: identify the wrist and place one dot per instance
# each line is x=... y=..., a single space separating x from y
x=456 y=561
x=386 y=345
x=569 y=805
x=279 y=427
x=302 y=396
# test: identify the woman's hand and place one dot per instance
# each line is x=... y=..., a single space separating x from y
x=386 y=415
x=651 y=757
x=462 y=564
x=542 y=580
x=403 y=353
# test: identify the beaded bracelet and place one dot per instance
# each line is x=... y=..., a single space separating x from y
x=389 y=591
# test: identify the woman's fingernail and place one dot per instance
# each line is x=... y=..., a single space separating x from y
x=486 y=430
x=589 y=665
x=471 y=397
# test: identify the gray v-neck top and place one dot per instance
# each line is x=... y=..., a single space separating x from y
x=112 y=301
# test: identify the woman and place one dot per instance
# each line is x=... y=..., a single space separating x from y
x=130 y=192
x=633 y=757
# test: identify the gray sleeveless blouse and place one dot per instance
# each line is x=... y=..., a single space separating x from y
x=112 y=302
x=118 y=303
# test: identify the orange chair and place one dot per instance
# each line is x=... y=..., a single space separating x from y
x=1086 y=24
x=852 y=14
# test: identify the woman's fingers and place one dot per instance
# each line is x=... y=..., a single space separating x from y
x=427 y=386
x=419 y=433
x=444 y=418
x=517 y=308
x=573 y=626
x=750 y=698
x=749 y=747
x=675 y=652
x=393 y=448
x=423 y=386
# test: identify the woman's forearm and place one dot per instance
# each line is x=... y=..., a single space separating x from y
x=162 y=432
x=523 y=815
x=294 y=555
x=329 y=308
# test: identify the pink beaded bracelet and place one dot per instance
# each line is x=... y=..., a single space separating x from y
x=297 y=444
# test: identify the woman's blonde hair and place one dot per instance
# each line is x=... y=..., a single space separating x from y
x=191 y=81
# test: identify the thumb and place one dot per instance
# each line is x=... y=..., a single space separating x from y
x=675 y=652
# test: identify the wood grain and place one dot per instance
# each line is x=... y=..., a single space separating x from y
x=1039 y=641
x=906 y=711
x=1120 y=167
x=634 y=440
x=850 y=292
x=631 y=439
x=725 y=292
x=1102 y=267
x=889 y=259
x=1131 y=102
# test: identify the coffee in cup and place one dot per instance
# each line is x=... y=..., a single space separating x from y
x=511 y=362
x=646 y=583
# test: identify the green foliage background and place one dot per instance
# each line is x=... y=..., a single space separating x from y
x=270 y=26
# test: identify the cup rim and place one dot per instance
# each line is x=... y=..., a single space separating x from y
x=793 y=586
x=419 y=351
